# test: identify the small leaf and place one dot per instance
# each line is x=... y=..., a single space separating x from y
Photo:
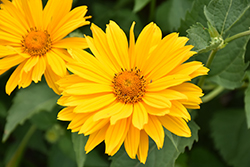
x=223 y=14
x=26 y=103
x=139 y=4
x=164 y=157
x=170 y=13
x=200 y=38
x=231 y=136
x=247 y=101
x=79 y=141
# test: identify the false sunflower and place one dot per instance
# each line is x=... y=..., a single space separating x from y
x=127 y=93
x=32 y=38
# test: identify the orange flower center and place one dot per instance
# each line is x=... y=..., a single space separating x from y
x=36 y=42
x=129 y=86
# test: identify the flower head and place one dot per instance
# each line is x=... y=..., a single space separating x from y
x=32 y=38
x=127 y=92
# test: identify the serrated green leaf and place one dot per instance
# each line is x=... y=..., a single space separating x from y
x=164 y=157
x=26 y=103
x=170 y=13
x=247 y=100
x=139 y=4
x=79 y=141
x=231 y=136
x=223 y=14
x=200 y=38
x=228 y=66
x=193 y=16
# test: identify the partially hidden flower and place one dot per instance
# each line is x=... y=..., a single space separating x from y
x=127 y=93
x=32 y=38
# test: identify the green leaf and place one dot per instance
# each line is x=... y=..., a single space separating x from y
x=170 y=13
x=201 y=156
x=79 y=141
x=231 y=136
x=164 y=157
x=223 y=14
x=199 y=37
x=3 y=111
x=139 y=4
x=26 y=103
x=193 y=16
x=247 y=100
x=57 y=158
x=228 y=66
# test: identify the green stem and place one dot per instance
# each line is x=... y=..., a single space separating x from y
x=212 y=94
x=152 y=10
x=242 y=34
x=15 y=159
x=209 y=62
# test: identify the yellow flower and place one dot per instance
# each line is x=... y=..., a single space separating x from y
x=127 y=92
x=32 y=38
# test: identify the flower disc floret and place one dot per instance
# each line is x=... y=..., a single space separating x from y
x=36 y=42
x=129 y=86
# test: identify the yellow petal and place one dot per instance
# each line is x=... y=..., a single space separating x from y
x=36 y=7
x=39 y=69
x=178 y=110
x=109 y=111
x=10 y=61
x=51 y=79
x=56 y=63
x=94 y=104
x=78 y=121
x=155 y=130
x=125 y=112
x=140 y=116
x=25 y=79
x=87 y=72
x=143 y=147
x=96 y=138
x=72 y=42
x=156 y=100
x=88 y=88
x=14 y=79
x=132 y=140
x=66 y=114
x=168 y=81
x=30 y=63
x=99 y=47
x=118 y=44
x=115 y=135
x=91 y=126
x=144 y=43
x=175 y=125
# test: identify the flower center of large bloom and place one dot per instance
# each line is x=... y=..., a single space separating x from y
x=129 y=86
x=36 y=42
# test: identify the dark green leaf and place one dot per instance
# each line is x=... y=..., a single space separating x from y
x=26 y=103
x=199 y=37
x=222 y=14
x=139 y=4
x=231 y=136
x=173 y=146
x=79 y=141
x=194 y=15
x=57 y=158
x=170 y=13
x=247 y=101
x=3 y=111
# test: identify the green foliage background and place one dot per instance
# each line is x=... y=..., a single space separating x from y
x=33 y=137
